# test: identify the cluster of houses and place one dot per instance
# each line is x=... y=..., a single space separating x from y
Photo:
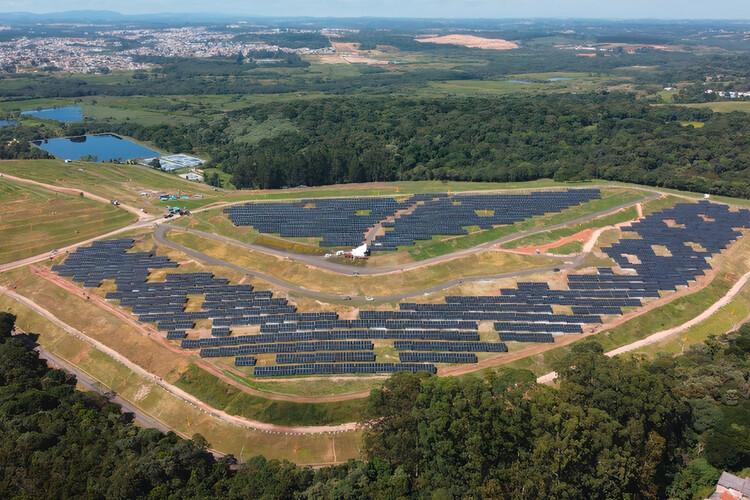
x=728 y=94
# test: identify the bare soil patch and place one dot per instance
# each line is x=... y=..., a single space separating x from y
x=474 y=42
x=582 y=236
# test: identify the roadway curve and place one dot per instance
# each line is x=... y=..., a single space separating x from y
x=161 y=238
x=144 y=220
x=160 y=234
x=75 y=192
x=170 y=388
x=323 y=263
x=657 y=337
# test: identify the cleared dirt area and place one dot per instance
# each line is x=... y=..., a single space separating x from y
x=582 y=236
x=471 y=41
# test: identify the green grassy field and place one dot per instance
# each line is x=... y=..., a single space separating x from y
x=526 y=83
x=567 y=248
x=122 y=182
x=721 y=106
x=34 y=220
x=230 y=399
x=726 y=319
x=305 y=387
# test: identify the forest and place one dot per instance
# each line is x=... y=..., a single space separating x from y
x=566 y=137
x=611 y=428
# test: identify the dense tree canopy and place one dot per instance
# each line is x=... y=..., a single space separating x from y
x=329 y=141
x=614 y=428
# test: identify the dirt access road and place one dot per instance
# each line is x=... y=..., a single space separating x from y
x=144 y=220
x=172 y=389
x=665 y=334
x=77 y=192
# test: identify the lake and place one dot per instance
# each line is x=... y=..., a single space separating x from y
x=6 y=123
x=65 y=114
x=101 y=147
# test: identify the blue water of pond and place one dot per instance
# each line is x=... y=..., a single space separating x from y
x=100 y=147
x=66 y=114
x=558 y=79
x=6 y=123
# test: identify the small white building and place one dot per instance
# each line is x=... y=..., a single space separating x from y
x=192 y=176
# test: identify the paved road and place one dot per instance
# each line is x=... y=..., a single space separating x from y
x=91 y=384
x=160 y=236
x=323 y=263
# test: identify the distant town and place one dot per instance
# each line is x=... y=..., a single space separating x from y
x=130 y=49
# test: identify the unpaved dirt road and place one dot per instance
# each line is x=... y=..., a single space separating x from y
x=172 y=389
x=657 y=337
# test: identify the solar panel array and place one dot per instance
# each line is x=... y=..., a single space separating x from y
x=437 y=357
x=325 y=357
x=343 y=222
x=690 y=232
x=341 y=368
x=245 y=361
x=666 y=250
x=340 y=222
x=447 y=215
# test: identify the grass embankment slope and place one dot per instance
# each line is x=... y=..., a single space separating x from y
x=183 y=418
x=34 y=220
x=481 y=264
x=122 y=182
x=173 y=365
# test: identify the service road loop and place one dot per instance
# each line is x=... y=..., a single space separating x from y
x=664 y=334
x=322 y=263
x=172 y=389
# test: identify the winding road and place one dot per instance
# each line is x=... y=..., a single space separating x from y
x=322 y=263
x=160 y=235
x=170 y=388
x=161 y=238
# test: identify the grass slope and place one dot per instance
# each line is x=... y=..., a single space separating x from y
x=35 y=220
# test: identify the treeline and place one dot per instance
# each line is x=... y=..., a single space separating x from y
x=15 y=143
x=512 y=139
x=614 y=428
x=566 y=137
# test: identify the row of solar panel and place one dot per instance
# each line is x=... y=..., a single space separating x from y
x=341 y=368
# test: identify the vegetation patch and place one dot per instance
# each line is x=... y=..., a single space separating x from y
x=221 y=395
x=35 y=220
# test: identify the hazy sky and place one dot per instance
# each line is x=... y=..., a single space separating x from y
x=671 y=9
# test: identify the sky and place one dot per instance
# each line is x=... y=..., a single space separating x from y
x=639 y=9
